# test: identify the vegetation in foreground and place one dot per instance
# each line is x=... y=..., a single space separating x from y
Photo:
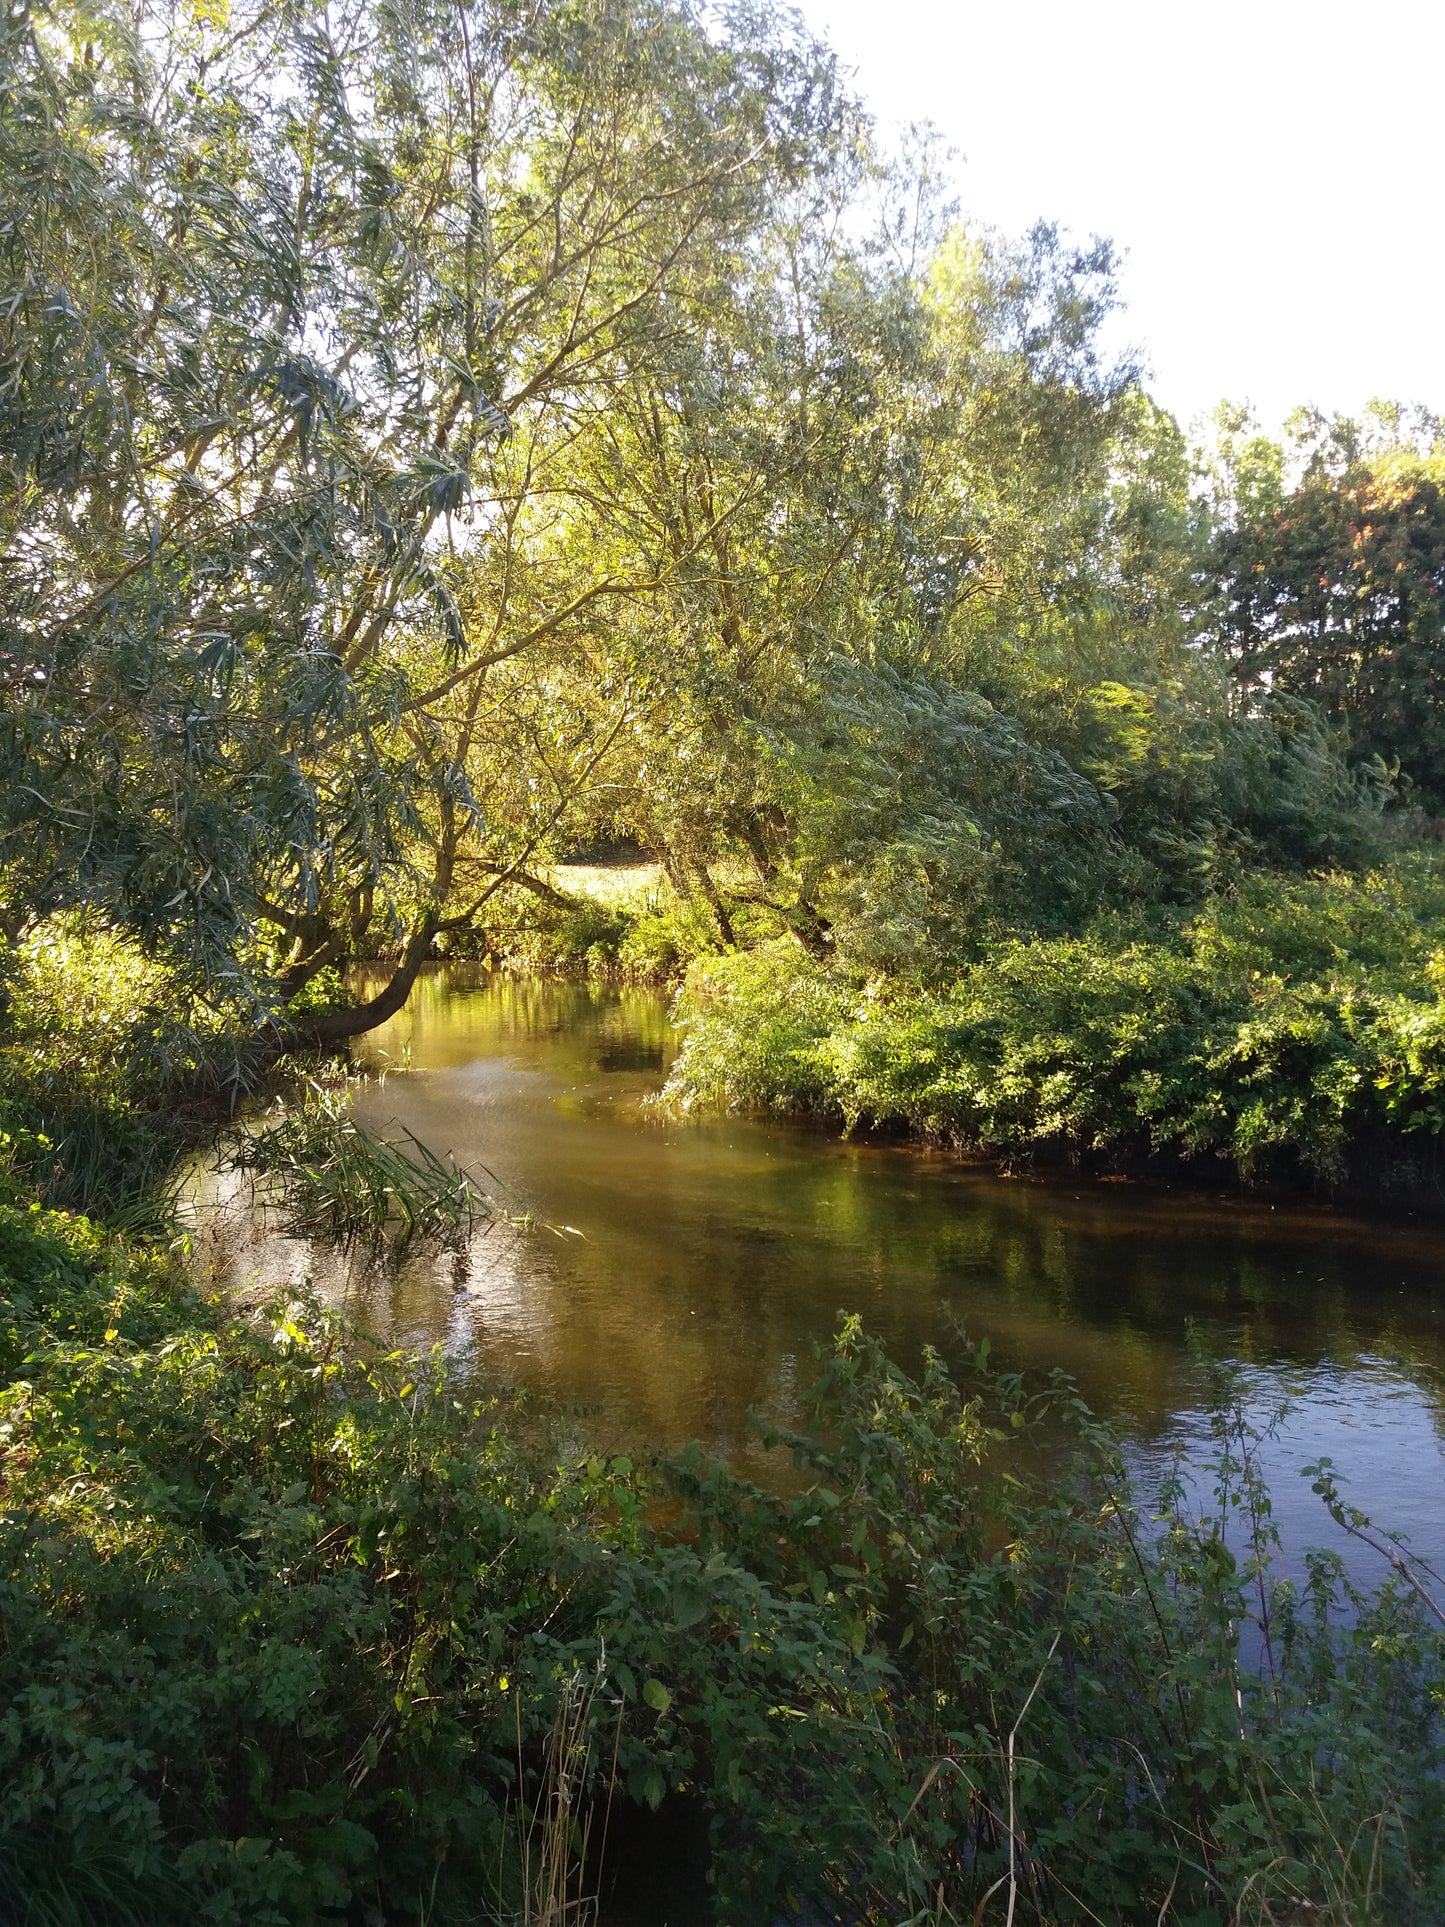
x=294 y=1630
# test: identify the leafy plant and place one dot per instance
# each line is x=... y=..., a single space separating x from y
x=1290 y=1026
x=295 y=1624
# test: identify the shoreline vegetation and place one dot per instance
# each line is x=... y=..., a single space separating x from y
x=440 y=440
x=1291 y=1033
x=299 y=1629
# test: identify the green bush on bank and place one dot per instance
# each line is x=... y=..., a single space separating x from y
x=107 y=1066
x=1291 y=1023
x=288 y=1621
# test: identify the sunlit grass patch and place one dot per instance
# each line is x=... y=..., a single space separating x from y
x=633 y=886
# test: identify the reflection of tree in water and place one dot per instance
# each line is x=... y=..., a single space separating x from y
x=714 y=1251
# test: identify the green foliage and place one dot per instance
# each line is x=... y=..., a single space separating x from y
x=109 y=1064
x=914 y=810
x=643 y=935
x=367 y=550
x=1048 y=1717
x=298 y=322
x=1202 y=787
x=229 y=1637
x=1285 y=1027
x=291 y=1624
x=659 y=944
x=91 y=1019
x=329 y=1177
x=434 y=437
x=1334 y=590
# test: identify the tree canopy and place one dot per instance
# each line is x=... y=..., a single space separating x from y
x=436 y=435
x=1334 y=590
x=304 y=309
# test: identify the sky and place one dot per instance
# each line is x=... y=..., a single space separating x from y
x=1271 y=170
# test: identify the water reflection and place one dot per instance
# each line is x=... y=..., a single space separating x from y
x=680 y=1273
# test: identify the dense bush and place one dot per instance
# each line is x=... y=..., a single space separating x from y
x=288 y=1624
x=109 y=1062
x=1292 y=1021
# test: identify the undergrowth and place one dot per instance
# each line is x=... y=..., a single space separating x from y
x=1292 y=1026
x=291 y=1624
x=110 y=1076
x=627 y=926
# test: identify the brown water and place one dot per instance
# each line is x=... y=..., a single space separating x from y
x=680 y=1272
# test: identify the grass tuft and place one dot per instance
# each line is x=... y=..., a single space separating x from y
x=330 y=1177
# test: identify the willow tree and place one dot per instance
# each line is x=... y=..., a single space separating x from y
x=889 y=428
x=304 y=308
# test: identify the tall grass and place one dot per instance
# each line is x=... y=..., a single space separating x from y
x=551 y=1834
x=328 y=1176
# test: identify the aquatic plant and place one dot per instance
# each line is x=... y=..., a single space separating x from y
x=327 y=1175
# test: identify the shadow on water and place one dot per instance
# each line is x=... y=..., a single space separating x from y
x=681 y=1272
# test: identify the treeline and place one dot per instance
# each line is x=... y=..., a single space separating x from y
x=434 y=441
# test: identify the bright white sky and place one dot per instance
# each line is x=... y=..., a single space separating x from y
x=1271 y=168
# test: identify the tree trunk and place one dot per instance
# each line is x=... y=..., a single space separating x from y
x=722 y=922
x=337 y=1025
x=812 y=931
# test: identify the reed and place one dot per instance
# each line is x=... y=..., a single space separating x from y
x=553 y=1831
x=329 y=1176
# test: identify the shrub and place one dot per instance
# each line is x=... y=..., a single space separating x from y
x=1291 y=1023
x=291 y=1625
x=107 y=1065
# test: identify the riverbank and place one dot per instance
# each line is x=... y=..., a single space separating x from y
x=299 y=1631
x=717 y=1251
x=300 y=1627
x=1293 y=1031
x=1287 y=1033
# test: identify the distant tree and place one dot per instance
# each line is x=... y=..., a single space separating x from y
x=1334 y=591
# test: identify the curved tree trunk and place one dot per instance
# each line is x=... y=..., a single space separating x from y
x=336 y=1026
x=712 y=896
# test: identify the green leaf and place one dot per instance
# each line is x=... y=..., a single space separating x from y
x=657 y=1696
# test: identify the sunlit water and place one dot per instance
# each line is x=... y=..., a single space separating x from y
x=679 y=1273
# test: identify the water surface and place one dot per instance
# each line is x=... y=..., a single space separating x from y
x=678 y=1273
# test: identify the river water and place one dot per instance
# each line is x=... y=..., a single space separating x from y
x=677 y=1273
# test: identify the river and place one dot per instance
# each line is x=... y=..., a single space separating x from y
x=677 y=1273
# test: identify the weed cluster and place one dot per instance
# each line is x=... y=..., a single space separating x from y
x=296 y=1629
